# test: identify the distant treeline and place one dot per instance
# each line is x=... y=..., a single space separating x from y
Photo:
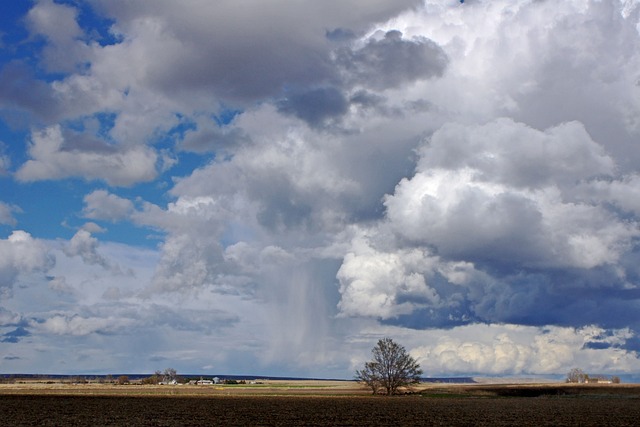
x=134 y=377
x=449 y=380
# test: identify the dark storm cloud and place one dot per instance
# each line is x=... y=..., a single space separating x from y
x=536 y=298
x=13 y=326
x=391 y=61
x=21 y=91
x=340 y=35
x=211 y=138
x=252 y=50
x=16 y=335
x=283 y=206
x=564 y=297
x=11 y=358
x=316 y=106
x=388 y=62
x=598 y=345
x=427 y=318
x=366 y=99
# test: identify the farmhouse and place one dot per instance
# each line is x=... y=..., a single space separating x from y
x=598 y=381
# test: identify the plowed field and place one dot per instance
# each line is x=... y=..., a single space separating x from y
x=61 y=410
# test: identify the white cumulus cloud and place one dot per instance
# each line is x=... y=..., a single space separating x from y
x=51 y=160
x=21 y=253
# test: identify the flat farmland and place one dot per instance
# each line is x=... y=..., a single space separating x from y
x=267 y=387
x=435 y=406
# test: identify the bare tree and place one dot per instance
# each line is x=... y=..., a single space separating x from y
x=576 y=375
x=391 y=368
x=368 y=375
x=169 y=375
x=156 y=378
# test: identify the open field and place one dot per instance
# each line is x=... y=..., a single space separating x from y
x=319 y=403
x=265 y=387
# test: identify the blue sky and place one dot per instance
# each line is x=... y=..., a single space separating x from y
x=270 y=188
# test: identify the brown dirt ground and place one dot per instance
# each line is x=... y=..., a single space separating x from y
x=56 y=410
x=343 y=403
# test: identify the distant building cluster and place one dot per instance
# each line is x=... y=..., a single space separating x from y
x=578 y=376
x=201 y=381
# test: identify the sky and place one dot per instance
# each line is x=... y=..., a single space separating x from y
x=269 y=187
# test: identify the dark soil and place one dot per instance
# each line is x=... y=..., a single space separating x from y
x=48 y=410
